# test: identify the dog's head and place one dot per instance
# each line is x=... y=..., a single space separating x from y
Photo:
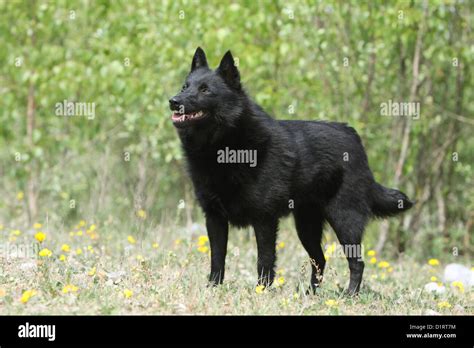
x=208 y=96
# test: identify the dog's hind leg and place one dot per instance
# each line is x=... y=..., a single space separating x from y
x=349 y=226
x=309 y=225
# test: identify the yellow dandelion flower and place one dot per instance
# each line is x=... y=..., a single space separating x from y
x=281 y=280
x=373 y=260
x=37 y=225
x=62 y=257
x=71 y=234
x=433 y=262
x=141 y=214
x=260 y=289
x=20 y=195
x=371 y=253
x=280 y=245
x=66 y=248
x=25 y=297
x=330 y=250
x=82 y=223
x=131 y=240
x=92 y=227
x=202 y=240
x=12 y=238
x=434 y=279
x=390 y=270
x=78 y=251
x=383 y=264
x=155 y=245
x=92 y=272
x=70 y=288
x=178 y=242
x=128 y=293
x=90 y=249
x=79 y=233
x=45 y=253
x=16 y=232
x=40 y=237
x=139 y=257
x=331 y=303
x=459 y=285
x=444 y=304
x=203 y=249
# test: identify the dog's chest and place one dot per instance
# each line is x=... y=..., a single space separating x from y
x=238 y=211
x=231 y=192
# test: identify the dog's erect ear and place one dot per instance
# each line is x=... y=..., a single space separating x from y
x=199 y=60
x=229 y=71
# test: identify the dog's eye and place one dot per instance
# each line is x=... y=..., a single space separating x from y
x=204 y=89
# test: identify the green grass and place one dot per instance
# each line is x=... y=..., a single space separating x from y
x=171 y=278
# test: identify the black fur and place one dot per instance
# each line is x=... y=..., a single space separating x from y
x=316 y=170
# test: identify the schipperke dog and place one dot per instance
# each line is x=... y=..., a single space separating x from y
x=249 y=169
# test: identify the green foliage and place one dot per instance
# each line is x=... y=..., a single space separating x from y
x=300 y=60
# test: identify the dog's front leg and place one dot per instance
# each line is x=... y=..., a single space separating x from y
x=218 y=231
x=266 y=233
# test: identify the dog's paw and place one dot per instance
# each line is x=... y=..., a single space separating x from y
x=213 y=283
x=351 y=292
x=312 y=290
x=308 y=290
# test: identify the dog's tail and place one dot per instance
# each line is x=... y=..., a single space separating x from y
x=388 y=202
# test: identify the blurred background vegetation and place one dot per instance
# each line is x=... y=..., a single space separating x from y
x=314 y=60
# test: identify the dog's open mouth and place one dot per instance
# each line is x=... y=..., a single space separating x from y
x=179 y=118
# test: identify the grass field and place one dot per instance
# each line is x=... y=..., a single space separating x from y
x=105 y=268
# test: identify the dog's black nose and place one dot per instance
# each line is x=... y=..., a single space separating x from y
x=174 y=103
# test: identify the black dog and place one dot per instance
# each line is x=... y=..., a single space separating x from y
x=317 y=170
